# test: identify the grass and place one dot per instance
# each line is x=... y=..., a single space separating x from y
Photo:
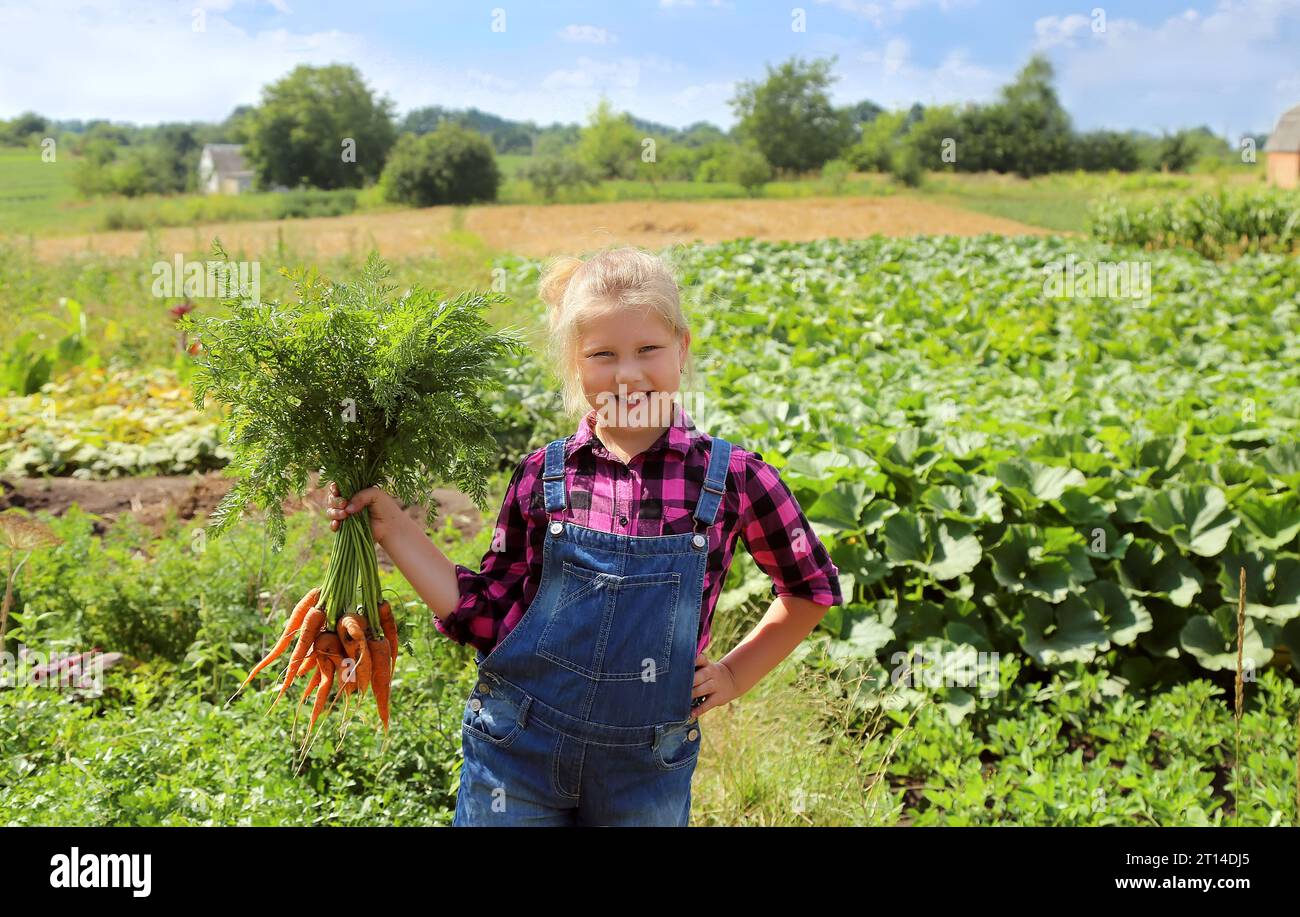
x=791 y=752
x=127 y=324
x=1062 y=201
x=39 y=197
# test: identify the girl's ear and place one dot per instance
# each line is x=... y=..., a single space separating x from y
x=685 y=346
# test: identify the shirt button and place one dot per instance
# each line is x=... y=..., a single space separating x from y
x=622 y=520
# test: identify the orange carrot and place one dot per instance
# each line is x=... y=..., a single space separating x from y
x=291 y=626
x=311 y=686
x=352 y=633
x=323 y=694
x=327 y=644
x=381 y=678
x=311 y=626
x=389 y=625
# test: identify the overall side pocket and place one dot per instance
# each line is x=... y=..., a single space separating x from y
x=493 y=717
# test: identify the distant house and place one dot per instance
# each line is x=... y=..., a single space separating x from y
x=222 y=169
x=1283 y=149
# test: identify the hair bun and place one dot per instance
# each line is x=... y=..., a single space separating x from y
x=555 y=280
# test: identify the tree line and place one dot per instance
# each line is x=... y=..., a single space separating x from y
x=324 y=128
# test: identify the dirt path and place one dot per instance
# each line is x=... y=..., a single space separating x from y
x=538 y=231
x=192 y=495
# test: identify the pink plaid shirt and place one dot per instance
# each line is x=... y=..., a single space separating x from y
x=653 y=494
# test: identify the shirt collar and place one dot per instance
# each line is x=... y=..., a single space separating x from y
x=678 y=436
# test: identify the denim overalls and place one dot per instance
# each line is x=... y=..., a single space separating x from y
x=582 y=714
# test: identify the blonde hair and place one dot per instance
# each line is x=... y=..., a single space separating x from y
x=612 y=279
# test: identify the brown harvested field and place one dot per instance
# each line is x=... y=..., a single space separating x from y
x=538 y=231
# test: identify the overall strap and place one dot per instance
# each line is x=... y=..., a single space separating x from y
x=715 y=480
x=553 y=476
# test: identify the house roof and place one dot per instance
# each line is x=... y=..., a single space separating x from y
x=1286 y=136
x=228 y=158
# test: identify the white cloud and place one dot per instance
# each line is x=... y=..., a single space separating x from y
x=886 y=12
x=490 y=81
x=1050 y=31
x=891 y=78
x=589 y=73
x=1235 y=61
x=586 y=34
x=145 y=62
x=714 y=95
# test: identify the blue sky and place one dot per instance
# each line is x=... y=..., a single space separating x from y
x=1157 y=65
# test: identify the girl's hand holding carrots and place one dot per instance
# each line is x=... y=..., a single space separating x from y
x=385 y=515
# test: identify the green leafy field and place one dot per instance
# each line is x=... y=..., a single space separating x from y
x=1066 y=485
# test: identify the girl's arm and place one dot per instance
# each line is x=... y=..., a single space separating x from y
x=805 y=581
x=426 y=568
x=788 y=621
x=468 y=606
x=430 y=572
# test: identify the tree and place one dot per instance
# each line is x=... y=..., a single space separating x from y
x=552 y=172
x=24 y=129
x=750 y=169
x=556 y=139
x=1100 y=151
x=1038 y=127
x=790 y=118
x=235 y=128
x=939 y=130
x=863 y=113
x=451 y=165
x=298 y=134
x=610 y=145
x=699 y=134
x=1175 y=152
x=880 y=137
x=177 y=150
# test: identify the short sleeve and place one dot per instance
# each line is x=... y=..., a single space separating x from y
x=487 y=596
x=782 y=542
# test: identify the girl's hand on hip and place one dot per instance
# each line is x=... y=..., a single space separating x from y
x=715 y=683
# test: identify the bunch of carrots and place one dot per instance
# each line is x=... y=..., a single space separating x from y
x=350 y=654
x=364 y=384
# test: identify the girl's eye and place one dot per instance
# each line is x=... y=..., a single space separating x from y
x=610 y=353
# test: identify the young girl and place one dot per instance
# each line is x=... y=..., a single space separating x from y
x=593 y=605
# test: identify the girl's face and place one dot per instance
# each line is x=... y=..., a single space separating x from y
x=630 y=363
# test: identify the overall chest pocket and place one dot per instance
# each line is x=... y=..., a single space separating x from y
x=612 y=628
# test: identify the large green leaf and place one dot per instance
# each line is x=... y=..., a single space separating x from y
x=1212 y=641
x=1273 y=519
x=1197 y=518
x=970 y=499
x=839 y=509
x=1034 y=483
x=942 y=549
x=1272 y=583
x=1123 y=617
x=1069 y=631
x=1148 y=569
x=1047 y=563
